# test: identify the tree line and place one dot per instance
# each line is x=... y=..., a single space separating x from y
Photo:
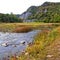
x=9 y=18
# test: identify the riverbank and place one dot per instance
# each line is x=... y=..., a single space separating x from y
x=46 y=46
x=24 y=27
x=35 y=50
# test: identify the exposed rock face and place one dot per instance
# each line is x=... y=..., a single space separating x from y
x=34 y=13
x=25 y=15
x=28 y=13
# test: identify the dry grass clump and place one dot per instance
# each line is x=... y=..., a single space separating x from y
x=23 y=29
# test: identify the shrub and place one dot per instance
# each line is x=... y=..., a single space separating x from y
x=23 y=29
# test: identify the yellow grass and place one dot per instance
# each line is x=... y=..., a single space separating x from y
x=45 y=44
x=10 y=27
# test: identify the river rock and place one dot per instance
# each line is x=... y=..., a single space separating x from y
x=49 y=56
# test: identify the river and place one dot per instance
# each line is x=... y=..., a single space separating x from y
x=14 y=41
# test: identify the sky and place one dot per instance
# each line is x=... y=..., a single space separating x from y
x=19 y=6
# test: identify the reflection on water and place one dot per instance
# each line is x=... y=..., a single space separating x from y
x=15 y=42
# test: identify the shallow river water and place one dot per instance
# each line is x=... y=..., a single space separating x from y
x=14 y=42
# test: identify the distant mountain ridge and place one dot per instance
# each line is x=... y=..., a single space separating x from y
x=47 y=12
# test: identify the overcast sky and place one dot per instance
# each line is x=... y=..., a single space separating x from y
x=19 y=6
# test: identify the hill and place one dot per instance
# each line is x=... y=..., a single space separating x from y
x=47 y=12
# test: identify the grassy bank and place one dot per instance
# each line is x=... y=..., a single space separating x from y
x=16 y=27
x=24 y=27
x=43 y=47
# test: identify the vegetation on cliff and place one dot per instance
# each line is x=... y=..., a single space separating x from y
x=48 y=12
